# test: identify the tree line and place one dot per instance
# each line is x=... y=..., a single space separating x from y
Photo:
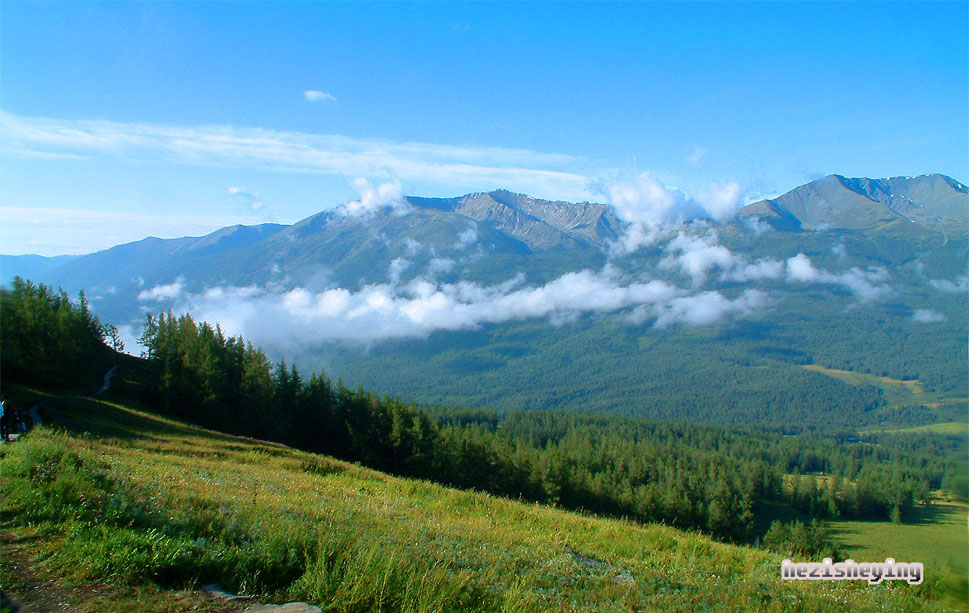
x=693 y=476
x=48 y=338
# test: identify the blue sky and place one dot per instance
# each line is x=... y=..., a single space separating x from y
x=119 y=121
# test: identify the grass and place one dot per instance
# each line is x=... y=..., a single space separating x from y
x=949 y=427
x=936 y=536
x=118 y=496
x=913 y=386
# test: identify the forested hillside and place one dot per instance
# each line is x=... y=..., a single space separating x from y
x=712 y=478
x=48 y=338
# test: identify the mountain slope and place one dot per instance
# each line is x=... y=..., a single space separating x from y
x=153 y=257
x=540 y=224
x=836 y=202
x=137 y=500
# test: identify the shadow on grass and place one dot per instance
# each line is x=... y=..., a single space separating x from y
x=109 y=416
x=923 y=515
x=20 y=540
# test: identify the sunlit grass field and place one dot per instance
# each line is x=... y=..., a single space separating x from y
x=949 y=427
x=121 y=496
x=912 y=386
x=898 y=392
x=937 y=536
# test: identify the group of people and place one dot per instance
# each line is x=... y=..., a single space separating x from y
x=11 y=419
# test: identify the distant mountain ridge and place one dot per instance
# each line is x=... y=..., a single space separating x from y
x=836 y=202
x=482 y=237
x=540 y=224
x=29 y=266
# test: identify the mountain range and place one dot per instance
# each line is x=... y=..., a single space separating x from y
x=504 y=300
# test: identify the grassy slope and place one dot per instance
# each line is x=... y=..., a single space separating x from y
x=180 y=505
x=913 y=386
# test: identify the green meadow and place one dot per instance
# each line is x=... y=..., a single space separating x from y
x=937 y=536
x=113 y=496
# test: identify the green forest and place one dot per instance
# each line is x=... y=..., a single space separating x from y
x=707 y=477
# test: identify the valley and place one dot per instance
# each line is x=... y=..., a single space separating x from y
x=765 y=392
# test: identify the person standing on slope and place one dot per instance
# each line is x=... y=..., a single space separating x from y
x=6 y=412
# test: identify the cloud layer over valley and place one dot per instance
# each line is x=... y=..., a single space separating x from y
x=422 y=306
x=681 y=288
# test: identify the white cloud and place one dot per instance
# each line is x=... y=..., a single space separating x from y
x=412 y=247
x=129 y=336
x=467 y=236
x=439 y=266
x=383 y=311
x=250 y=200
x=866 y=284
x=756 y=225
x=698 y=255
x=961 y=284
x=722 y=201
x=761 y=269
x=315 y=95
x=840 y=250
x=397 y=266
x=161 y=293
x=451 y=167
x=646 y=201
x=648 y=207
x=928 y=316
x=709 y=308
x=373 y=197
x=695 y=158
x=800 y=268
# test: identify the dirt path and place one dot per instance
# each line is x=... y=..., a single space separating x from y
x=35 y=590
x=29 y=588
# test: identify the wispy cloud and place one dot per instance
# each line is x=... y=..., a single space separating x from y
x=250 y=200
x=928 y=316
x=315 y=95
x=448 y=166
x=695 y=159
